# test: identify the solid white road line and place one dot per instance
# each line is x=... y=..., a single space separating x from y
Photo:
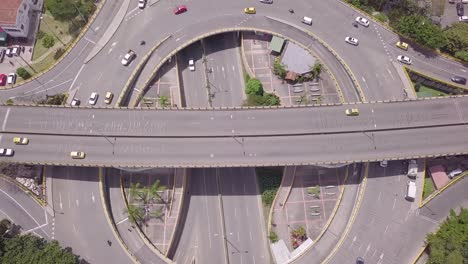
x=123 y=220
x=17 y=203
x=6 y=118
x=76 y=77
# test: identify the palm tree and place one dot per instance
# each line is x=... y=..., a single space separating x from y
x=136 y=192
x=154 y=191
x=135 y=214
x=157 y=214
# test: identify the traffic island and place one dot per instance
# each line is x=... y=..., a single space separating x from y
x=265 y=57
x=154 y=198
x=300 y=217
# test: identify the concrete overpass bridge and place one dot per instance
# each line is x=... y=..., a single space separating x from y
x=238 y=137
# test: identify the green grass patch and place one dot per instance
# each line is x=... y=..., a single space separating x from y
x=315 y=191
x=52 y=27
x=428 y=187
x=269 y=180
x=438 y=7
x=426 y=91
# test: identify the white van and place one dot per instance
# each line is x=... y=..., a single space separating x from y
x=411 y=191
x=307 y=20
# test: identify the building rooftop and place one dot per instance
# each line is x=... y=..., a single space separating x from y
x=439 y=176
x=297 y=59
x=8 y=11
x=276 y=44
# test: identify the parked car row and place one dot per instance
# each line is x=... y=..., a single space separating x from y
x=11 y=51
x=94 y=98
x=9 y=79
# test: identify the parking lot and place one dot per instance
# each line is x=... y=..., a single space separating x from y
x=260 y=61
x=312 y=199
x=163 y=90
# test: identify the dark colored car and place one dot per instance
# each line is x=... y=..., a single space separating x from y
x=2 y=55
x=359 y=260
x=460 y=9
x=3 y=79
x=459 y=79
x=180 y=9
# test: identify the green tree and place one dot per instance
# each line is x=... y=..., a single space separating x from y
x=137 y=192
x=316 y=70
x=254 y=86
x=155 y=189
x=32 y=249
x=86 y=8
x=10 y=102
x=5 y=224
x=163 y=101
x=271 y=99
x=422 y=30
x=273 y=237
x=135 y=214
x=450 y=243
x=48 y=41
x=457 y=38
x=23 y=73
x=279 y=69
x=463 y=55
x=62 y=9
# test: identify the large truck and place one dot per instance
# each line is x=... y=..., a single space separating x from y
x=413 y=169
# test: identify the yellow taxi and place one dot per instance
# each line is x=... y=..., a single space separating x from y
x=20 y=140
x=352 y=112
x=109 y=97
x=77 y=155
x=250 y=10
x=402 y=45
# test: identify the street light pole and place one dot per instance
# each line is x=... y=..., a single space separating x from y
x=110 y=142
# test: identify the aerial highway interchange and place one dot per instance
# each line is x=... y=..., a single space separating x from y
x=391 y=124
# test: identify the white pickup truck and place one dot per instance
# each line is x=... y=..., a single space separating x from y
x=412 y=169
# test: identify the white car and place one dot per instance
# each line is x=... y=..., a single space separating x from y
x=463 y=18
x=404 y=59
x=362 y=21
x=6 y=152
x=352 y=41
x=11 y=79
x=8 y=52
x=191 y=65
x=141 y=4
x=383 y=163
x=75 y=102
x=128 y=57
x=93 y=98
x=16 y=50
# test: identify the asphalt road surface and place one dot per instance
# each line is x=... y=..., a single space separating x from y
x=22 y=210
x=225 y=77
x=246 y=236
x=233 y=123
x=243 y=151
x=386 y=229
x=195 y=91
x=202 y=236
x=80 y=221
